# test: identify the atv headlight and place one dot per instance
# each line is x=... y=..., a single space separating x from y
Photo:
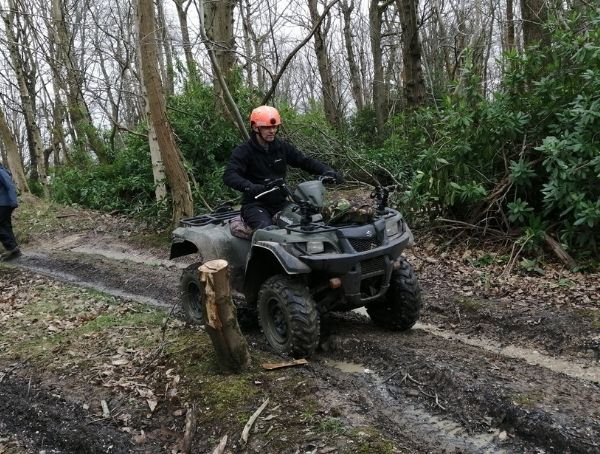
x=315 y=247
x=391 y=227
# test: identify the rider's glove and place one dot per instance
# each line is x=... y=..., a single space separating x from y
x=255 y=189
x=339 y=179
x=273 y=183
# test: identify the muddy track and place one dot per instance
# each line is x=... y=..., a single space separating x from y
x=430 y=389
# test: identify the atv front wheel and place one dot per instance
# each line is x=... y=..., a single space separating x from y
x=191 y=295
x=288 y=316
x=400 y=308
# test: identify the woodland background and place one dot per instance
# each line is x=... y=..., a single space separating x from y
x=485 y=113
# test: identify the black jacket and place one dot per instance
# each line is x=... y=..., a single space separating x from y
x=252 y=164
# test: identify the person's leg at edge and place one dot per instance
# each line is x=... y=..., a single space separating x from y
x=256 y=216
x=7 y=237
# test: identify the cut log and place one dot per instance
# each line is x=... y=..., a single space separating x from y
x=220 y=315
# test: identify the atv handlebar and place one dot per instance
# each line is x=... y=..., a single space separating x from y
x=279 y=183
x=272 y=186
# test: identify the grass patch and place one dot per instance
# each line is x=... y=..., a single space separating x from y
x=525 y=400
x=593 y=316
x=330 y=425
x=469 y=305
x=369 y=440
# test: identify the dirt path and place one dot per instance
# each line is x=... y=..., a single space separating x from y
x=492 y=366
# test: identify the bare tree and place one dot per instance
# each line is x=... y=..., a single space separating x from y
x=182 y=7
x=25 y=69
x=69 y=76
x=175 y=172
x=355 y=79
x=509 y=43
x=412 y=74
x=12 y=154
x=534 y=14
x=328 y=86
x=166 y=64
x=218 y=25
x=380 y=94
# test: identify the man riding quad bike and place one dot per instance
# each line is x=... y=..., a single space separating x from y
x=301 y=268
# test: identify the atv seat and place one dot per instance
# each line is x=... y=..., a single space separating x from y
x=240 y=229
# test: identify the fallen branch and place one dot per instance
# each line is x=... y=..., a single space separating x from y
x=248 y=426
x=559 y=252
x=220 y=448
x=499 y=233
x=190 y=427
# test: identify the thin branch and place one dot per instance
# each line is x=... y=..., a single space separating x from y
x=292 y=54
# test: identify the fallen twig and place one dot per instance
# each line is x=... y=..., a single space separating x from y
x=437 y=401
x=248 y=426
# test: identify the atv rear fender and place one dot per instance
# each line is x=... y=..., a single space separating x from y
x=266 y=259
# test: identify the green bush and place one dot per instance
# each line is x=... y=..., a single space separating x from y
x=527 y=158
x=126 y=184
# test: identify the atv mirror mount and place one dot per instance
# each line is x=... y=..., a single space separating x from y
x=381 y=195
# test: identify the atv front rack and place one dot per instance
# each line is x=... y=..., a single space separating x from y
x=212 y=218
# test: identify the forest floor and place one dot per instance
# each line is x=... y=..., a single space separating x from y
x=95 y=359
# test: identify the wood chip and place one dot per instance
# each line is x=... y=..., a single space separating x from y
x=296 y=362
x=105 y=410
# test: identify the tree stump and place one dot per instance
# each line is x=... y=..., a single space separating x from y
x=220 y=316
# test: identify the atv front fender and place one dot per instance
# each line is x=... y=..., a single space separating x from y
x=266 y=259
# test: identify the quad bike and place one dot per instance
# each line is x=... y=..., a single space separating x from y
x=298 y=270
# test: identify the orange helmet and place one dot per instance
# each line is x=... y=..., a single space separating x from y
x=265 y=116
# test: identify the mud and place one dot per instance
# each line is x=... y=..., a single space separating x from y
x=489 y=369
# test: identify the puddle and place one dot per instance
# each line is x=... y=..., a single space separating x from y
x=351 y=368
x=132 y=257
x=571 y=368
x=449 y=435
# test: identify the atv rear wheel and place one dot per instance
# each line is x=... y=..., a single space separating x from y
x=191 y=295
x=288 y=316
x=400 y=308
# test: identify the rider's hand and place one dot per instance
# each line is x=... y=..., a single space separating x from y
x=255 y=189
x=273 y=183
x=339 y=179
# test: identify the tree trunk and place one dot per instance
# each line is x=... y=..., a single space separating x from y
x=185 y=38
x=412 y=73
x=72 y=83
x=165 y=40
x=26 y=84
x=248 y=47
x=225 y=96
x=221 y=321
x=355 y=80
x=380 y=101
x=176 y=175
x=328 y=88
x=218 y=22
x=12 y=154
x=510 y=25
x=534 y=14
